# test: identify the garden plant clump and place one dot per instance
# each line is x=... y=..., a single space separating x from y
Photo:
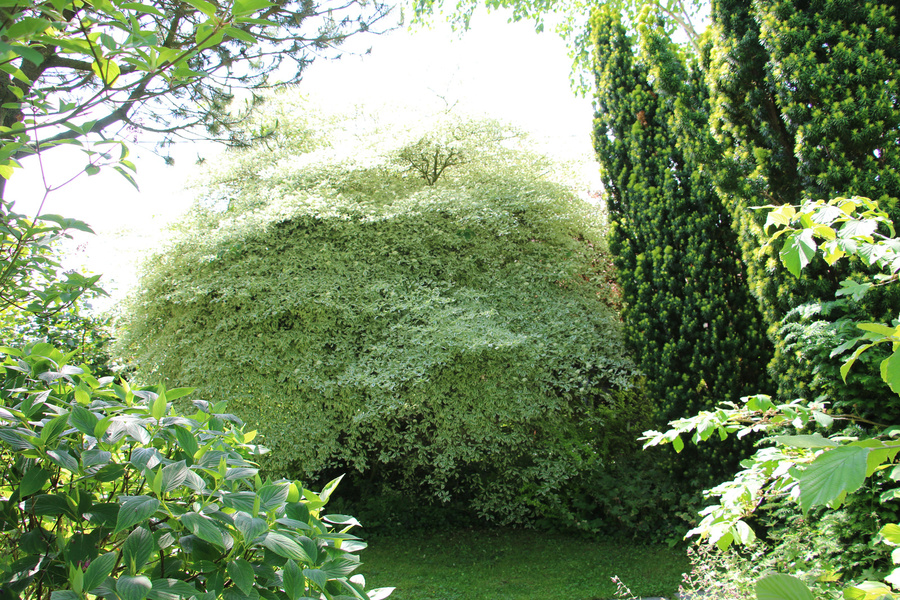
x=107 y=491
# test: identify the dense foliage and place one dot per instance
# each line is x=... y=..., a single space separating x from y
x=108 y=492
x=449 y=342
x=688 y=313
x=805 y=105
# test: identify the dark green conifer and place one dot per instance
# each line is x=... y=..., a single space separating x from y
x=689 y=316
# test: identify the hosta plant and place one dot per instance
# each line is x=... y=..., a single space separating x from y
x=108 y=492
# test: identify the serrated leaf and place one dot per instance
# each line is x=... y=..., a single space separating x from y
x=831 y=474
x=798 y=250
x=805 y=441
x=134 y=510
x=890 y=371
x=778 y=586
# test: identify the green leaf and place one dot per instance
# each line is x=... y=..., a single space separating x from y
x=273 y=496
x=173 y=476
x=250 y=527
x=203 y=6
x=778 y=586
x=137 y=550
x=107 y=71
x=33 y=481
x=798 y=250
x=134 y=510
x=245 y=7
x=204 y=528
x=891 y=533
x=133 y=587
x=317 y=577
x=99 y=569
x=171 y=589
x=294 y=582
x=186 y=440
x=240 y=34
x=890 y=371
x=158 y=408
x=805 y=441
x=83 y=420
x=284 y=546
x=831 y=474
x=241 y=572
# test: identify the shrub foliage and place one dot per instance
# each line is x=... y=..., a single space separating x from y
x=108 y=492
x=448 y=339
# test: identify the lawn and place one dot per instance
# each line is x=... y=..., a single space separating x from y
x=517 y=565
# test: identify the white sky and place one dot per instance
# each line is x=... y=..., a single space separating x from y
x=505 y=70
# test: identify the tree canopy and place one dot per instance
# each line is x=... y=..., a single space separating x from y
x=453 y=340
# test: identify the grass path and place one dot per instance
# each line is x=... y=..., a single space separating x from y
x=517 y=565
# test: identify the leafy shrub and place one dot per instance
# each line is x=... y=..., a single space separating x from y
x=106 y=491
x=446 y=340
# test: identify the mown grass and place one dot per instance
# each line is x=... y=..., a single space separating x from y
x=517 y=565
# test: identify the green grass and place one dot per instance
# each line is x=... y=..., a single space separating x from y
x=517 y=565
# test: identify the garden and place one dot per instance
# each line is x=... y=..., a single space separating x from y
x=406 y=356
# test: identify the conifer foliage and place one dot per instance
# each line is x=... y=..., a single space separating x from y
x=805 y=106
x=689 y=317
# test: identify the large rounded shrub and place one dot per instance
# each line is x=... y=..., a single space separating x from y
x=448 y=340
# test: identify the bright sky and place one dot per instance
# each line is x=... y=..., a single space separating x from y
x=505 y=70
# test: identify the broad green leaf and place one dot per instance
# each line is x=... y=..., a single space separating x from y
x=203 y=6
x=173 y=476
x=108 y=72
x=33 y=481
x=340 y=567
x=63 y=459
x=832 y=473
x=273 y=496
x=186 y=440
x=294 y=582
x=891 y=533
x=241 y=572
x=317 y=577
x=245 y=7
x=250 y=527
x=890 y=371
x=171 y=589
x=284 y=546
x=239 y=34
x=99 y=569
x=144 y=8
x=133 y=587
x=868 y=590
x=778 y=586
x=158 y=408
x=878 y=328
x=798 y=250
x=134 y=510
x=805 y=441
x=83 y=420
x=137 y=549
x=204 y=528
